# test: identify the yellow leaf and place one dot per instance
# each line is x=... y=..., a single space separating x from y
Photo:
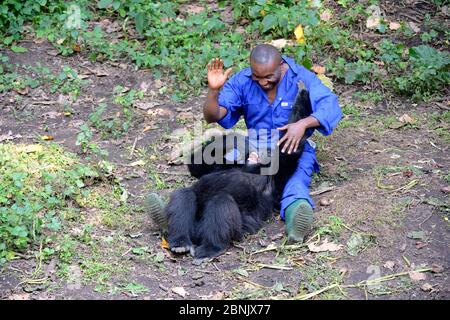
x=138 y=163
x=263 y=12
x=32 y=148
x=47 y=138
x=299 y=35
x=318 y=69
x=326 y=81
x=164 y=244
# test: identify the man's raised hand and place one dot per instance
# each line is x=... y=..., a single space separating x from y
x=216 y=76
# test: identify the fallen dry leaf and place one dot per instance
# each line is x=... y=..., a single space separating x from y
x=280 y=43
x=218 y=295
x=160 y=112
x=408 y=173
x=445 y=189
x=99 y=72
x=47 y=138
x=373 y=22
x=326 y=15
x=435 y=268
x=389 y=265
x=426 y=287
x=406 y=119
x=417 y=276
x=318 y=69
x=9 y=136
x=148 y=128
x=185 y=116
x=32 y=148
x=414 y=27
x=180 y=291
x=51 y=115
x=53 y=53
x=158 y=84
x=192 y=9
x=19 y=296
x=343 y=271
x=394 y=25
x=325 y=246
x=76 y=47
x=138 y=163
x=374 y=19
x=23 y=91
x=164 y=244
x=420 y=244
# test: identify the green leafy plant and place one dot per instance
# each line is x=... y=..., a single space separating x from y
x=32 y=192
x=429 y=72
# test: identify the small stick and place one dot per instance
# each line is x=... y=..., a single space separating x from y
x=174 y=173
x=126 y=252
x=357 y=285
x=253 y=283
x=268 y=266
x=317 y=192
x=134 y=147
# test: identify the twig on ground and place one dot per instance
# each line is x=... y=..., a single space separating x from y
x=317 y=192
x=252 y=283
x=174 y=173
x=362 y=284
x=134 y=147
x=269 y=266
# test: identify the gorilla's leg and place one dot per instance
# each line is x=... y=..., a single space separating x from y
x=180 y=212
x=219 y=225
x=253 y=218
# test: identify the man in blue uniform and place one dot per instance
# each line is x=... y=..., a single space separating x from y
x=264 y=94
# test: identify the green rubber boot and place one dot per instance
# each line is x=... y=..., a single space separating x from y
x=155 y=207
x=298 y=218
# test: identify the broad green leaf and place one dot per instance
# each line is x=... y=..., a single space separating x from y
x=269 y=22
x=18 y=49
x=103 y=4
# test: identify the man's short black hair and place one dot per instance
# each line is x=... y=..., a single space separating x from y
x=265 y=53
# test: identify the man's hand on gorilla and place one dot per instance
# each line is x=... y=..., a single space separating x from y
x=294 y=133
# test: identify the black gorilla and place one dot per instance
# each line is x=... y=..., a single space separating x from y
x=230 y=199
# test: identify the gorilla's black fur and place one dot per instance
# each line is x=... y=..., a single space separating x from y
x=229 y=200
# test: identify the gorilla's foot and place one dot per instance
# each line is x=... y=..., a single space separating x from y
x=182 y=249
x=298 y=217
x=155 y=207
x=207 y=251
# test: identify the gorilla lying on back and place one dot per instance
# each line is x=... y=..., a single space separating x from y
x=230 y=200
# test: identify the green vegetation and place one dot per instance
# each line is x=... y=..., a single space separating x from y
x=40 y=187
x=177 y=42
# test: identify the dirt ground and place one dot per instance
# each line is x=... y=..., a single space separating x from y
x=381 y=196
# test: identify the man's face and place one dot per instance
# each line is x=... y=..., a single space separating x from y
x=267 y=75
